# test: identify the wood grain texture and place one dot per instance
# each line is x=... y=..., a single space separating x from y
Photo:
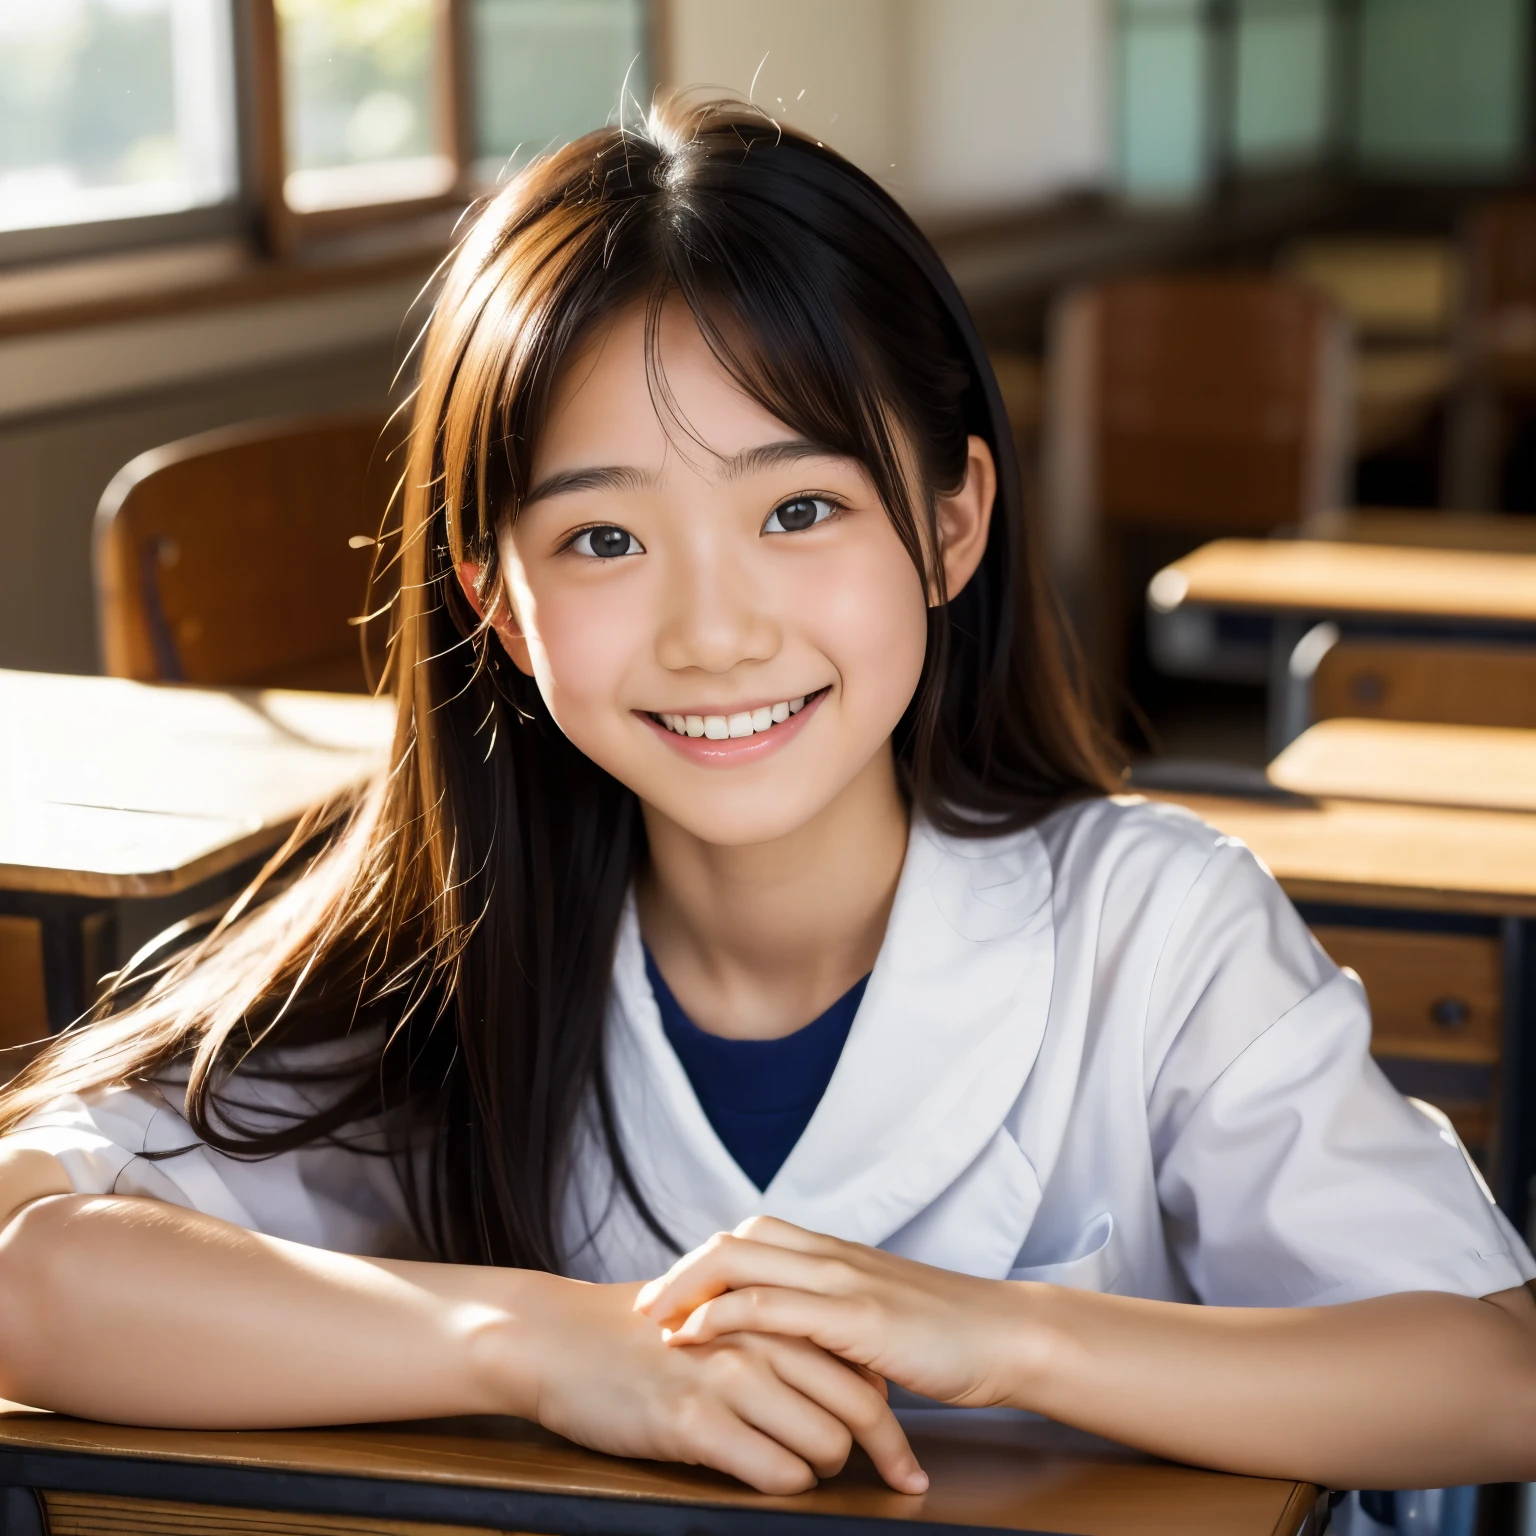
x=1412 y=762
x=1430 y=858
x=23 y=992
x=225 y=558
x=1407 y=680
x=1208 y=411
x=1315 y=578
x=114 y=788
x=1003 y=1473
x=1434 y=996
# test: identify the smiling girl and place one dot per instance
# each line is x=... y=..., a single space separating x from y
x=746 y=863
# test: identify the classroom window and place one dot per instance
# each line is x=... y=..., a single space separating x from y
x=547 y=71
x=114 y=109
x=1443 y=85
x=1209 y=90
x=363 y=85
x=1284 y=60
x=1165 y=128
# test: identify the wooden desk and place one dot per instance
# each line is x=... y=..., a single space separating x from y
x=1314 y=579
x=502 y=1474
x=1388 y=887
x=112 y=789
x=1454 y=765
x=1502 y=532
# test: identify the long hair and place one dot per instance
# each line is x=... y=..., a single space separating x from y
x=455 y=929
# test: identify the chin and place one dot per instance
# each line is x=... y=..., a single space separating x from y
x=737 y=820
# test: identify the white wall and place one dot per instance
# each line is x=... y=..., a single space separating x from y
x=829 y=67
x=1009 y=100
x=959 y=106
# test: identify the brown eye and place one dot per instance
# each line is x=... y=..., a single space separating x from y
x=798 y=514
x=606 y=543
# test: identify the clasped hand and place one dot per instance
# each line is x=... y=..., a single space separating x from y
x=943 y=1335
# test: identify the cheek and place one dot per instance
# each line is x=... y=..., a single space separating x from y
x=870 y=618
x=583 y=642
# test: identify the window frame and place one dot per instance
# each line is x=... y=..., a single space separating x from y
x=258 y=213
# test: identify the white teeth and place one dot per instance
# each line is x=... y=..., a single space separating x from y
x=723 y=727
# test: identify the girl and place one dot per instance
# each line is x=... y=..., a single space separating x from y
x=747 y=862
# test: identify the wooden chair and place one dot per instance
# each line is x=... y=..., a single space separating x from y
x=1496 y=345
x=239 y=556
x=1179 y=408
x=23 y=990
x=1448 y=684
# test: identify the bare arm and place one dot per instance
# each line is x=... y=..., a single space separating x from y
x=145 y=1313
x=140 y=1312
x=1419 y=1390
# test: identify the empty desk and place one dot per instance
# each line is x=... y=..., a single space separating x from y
x=1417 y=764
x=1365 y=589
x=113 y=789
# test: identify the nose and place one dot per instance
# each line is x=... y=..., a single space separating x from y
x=716 y=616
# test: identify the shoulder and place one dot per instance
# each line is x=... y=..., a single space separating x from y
x=1117 y=851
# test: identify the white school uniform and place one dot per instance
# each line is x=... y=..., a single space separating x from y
x=1103 y=1052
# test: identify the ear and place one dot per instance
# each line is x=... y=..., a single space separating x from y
x=499 y=612
x=965 y=518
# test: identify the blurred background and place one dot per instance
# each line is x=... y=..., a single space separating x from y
x=213 y=211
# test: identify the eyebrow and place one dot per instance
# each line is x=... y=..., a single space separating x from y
x=625 y=477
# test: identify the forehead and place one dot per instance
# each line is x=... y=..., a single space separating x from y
x=607 y=409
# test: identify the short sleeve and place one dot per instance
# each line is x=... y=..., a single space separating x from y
x=134 y=1141
x=1289 y=1170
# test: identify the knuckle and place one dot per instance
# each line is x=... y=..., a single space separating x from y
x=754 y=1226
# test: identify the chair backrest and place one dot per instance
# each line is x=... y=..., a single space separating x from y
x=238 y=556
x=1500 y=252
x=1189 y=406
x=1448 y=684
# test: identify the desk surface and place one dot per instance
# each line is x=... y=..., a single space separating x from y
x=113 y=788
x=1317 y=578
x=999 y=1474
x=1434 y=858
x=1506 y=532
x=1458 y=765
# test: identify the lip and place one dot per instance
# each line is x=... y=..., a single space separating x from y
x=737 y=750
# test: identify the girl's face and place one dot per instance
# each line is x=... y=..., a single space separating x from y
x=719 y=614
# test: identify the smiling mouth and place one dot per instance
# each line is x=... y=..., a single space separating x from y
x=736 y=726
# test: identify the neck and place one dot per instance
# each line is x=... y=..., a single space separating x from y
x=756 y=941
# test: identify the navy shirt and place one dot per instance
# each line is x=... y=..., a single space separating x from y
x=759 y=1095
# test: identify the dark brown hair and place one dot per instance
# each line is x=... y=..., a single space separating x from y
x=459 y=922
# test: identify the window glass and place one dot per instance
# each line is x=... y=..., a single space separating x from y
x=112 y=109
x=547 y=71
x=362 y=116
x=1164 y=133
x=1442 y=84
x=1282 y=110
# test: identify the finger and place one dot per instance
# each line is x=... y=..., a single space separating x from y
x=727 y=1443
x=728 y=1263
x=846 y=1391
x=836 y=1323
x=874 y=1378
x=785 y=1234
x=761 y=1397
